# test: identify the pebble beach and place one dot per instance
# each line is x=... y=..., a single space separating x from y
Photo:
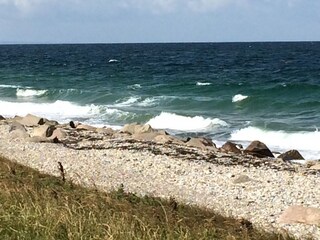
x=242 y=186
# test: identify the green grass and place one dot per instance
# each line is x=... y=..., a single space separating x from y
x=38 y=206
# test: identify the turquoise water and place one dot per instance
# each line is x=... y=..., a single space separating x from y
x=226 y=91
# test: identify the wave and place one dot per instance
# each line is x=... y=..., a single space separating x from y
x=148 y=102
x=63 y=111
x=183 y=123
x=203 y=83
x=113 y=61
x=134 y=86
x=127 y=102
x=239 y=98
x=306 y=142
x=30 y=92
x=11 y=86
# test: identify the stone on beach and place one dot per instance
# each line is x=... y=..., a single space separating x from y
x=300 y=214
x=31 y=120
x=2 y=118
x=43 y=131
x=291 y=155
x=135 y=128
x=200 y=142
x=58 y=133
x=86 y=127
x=258 y=149
x=17 y=130
x=231 y=147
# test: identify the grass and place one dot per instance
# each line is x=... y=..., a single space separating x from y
x=38 y=206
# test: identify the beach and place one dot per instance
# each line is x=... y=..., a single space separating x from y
x=151 y=162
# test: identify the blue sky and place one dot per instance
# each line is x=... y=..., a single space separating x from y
x=109 y=21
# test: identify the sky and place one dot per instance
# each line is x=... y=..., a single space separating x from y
x=136 y=21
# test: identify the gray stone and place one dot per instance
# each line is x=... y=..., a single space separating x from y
x=300 y=214
x=291 y=155
x=17 y=130
x=258 y=149
x=2 y=118
x=167 y=139
x=241 y=179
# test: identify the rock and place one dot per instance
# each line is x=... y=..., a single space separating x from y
x=59 y=134
x=167 y=139
x=39 y=139
x=137 y=128
x=148 y=136
x=231 y=147
x=258 y=149
x=86 y=127
x=30 y=120
x=2 y=118
x=43 y=131
x=242 y=179
x=202 y=143
x=108 y=131
x=291 y=155
x=72 y=125
x=17 y=130
x=315 y=167
x=50 y=122
x=300 y=214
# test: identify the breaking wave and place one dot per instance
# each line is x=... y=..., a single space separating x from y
x=30 y=92
x=183 y=123
x=239 y=98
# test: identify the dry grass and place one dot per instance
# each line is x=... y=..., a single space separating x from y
x=37 y=206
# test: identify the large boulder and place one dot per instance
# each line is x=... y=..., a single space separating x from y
x=43 y=131
x=135 y=128
x=203 y=143
x=258 y=149
x=31 y=120
x=2 y=118
x=230 y=147
x=59 y=134
x=17 y=130
x=300 y=214
x=291 y=155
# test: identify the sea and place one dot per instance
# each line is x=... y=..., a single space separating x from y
x=267 y=91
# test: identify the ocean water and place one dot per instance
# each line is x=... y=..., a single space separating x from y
x=225 y=91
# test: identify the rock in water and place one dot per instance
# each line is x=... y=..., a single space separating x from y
x=291 y=155
x=258 y=149
x=300 y=214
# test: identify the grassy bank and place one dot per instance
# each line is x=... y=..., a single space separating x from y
x=38 y=206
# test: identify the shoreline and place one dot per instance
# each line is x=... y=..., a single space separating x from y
x=257 y=189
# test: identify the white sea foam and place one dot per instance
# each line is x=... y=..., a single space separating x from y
x=183 y=123
x=203 y=83
x=29 y=92
x=148 y=102
x=239 y=98
x=127 y=102
x=113 y=60
x=10 y=86
x=305 y=142
x=134 y=86
x=62 y=111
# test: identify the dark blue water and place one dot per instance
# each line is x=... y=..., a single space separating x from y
x=238 y=91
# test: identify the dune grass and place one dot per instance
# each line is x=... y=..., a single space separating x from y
x=38 y=206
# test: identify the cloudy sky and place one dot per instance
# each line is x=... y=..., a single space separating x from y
x=109 y=21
